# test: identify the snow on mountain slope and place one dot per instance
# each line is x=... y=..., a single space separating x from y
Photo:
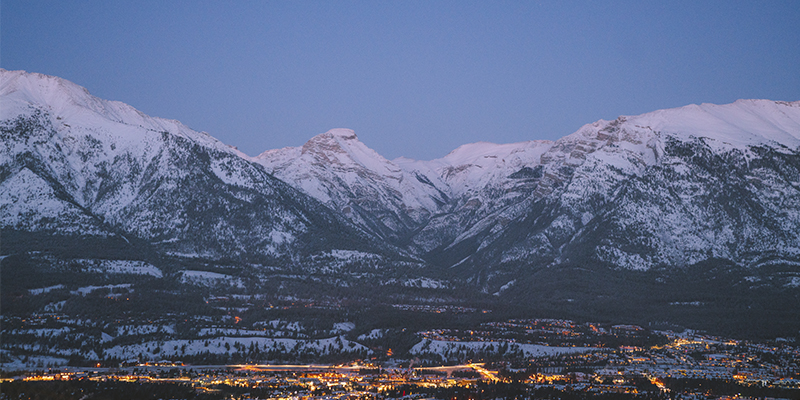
x=472 y=167
x=405 y=199
x=25 y=193
x=76 y=157
x=488 y=185
x=742 y=123
x=640 y=139
x=339 y=170
x=473 y=195
x=90 y=133
x=67 y=102
x=668 y=188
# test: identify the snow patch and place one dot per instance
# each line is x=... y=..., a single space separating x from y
x=120 y=267
x=45 y=290
x=373 y=334
x=505 y=287
x=83 y=291
x=344 y=326
x=207 y=278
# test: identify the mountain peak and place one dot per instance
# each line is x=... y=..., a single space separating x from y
x=71 y=106
x=335 y=149
x=343 y=141
x=343 y=133
x=33 y=88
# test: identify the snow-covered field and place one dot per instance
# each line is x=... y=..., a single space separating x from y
x=11 y=362
x=144 y=329
x=83 y=291
x=41 y=332
x=230 y=332
x=121 y=267
x=226 y=345
x=343 y=327
x=206 y=278
x=373 y=334
x=45 y=289
x=445 y=348
x=282 y=325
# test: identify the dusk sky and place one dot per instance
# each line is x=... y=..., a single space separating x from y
x=412 y=78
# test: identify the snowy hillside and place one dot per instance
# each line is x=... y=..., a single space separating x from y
x=472 y=167
x=665 y=189
x=419 y=204
x=74 y=164
x=340 y=171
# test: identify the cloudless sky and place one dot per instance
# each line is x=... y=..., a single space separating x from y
x=412 y=78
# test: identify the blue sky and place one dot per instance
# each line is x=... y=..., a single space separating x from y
x=412 y=78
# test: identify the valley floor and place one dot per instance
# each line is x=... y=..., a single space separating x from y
x=664 y=365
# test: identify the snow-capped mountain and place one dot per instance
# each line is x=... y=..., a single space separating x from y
x=670 y=189
x=470 y=168
x=418 y=204
x=486 y=183
x=73 y=164
x=375 y=193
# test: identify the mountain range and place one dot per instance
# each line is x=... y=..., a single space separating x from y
x=714 y=187
x=671 y=188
